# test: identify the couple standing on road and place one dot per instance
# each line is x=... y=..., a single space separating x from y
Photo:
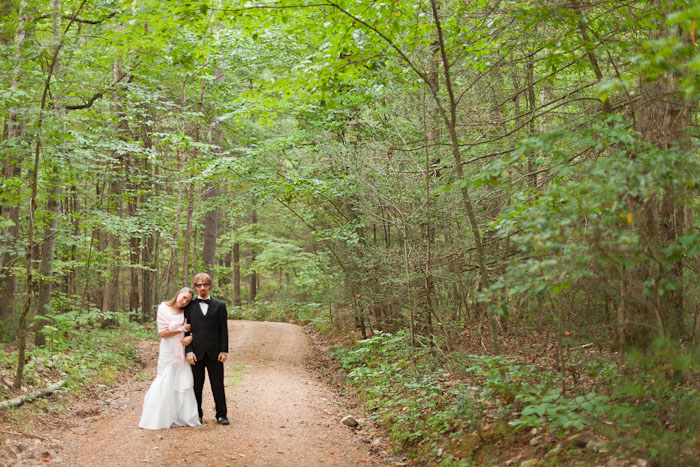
x=175 y=396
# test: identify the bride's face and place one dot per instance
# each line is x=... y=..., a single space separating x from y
x=183 y=299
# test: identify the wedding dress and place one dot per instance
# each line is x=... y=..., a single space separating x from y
x=170 y=400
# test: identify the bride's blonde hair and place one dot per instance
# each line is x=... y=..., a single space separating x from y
x=186 y=290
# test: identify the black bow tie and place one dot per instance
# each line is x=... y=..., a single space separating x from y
x=203 y=300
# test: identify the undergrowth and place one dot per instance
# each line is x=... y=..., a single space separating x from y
x=78 y=350
x=285 y=311
x=454 y=409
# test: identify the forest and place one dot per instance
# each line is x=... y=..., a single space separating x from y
x=490 y=208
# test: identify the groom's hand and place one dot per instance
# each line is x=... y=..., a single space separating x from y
x=191 y=358
x=222 y=357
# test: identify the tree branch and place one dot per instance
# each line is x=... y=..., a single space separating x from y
x=80 y=20
x=99 y=95
x=32 y=395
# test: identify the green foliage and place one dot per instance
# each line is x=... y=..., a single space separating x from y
x=61 y=328
x=261 y=311
x=652 y=408
x=79 y=352
x=587 y=225
x=315 y=314
x=552 y=410
x=675 y=54
x=657 y=404
x=419 y=403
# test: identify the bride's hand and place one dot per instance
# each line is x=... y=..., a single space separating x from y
x=187 y=341
x=186 y=326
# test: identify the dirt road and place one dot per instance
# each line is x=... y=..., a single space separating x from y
x=281 y=412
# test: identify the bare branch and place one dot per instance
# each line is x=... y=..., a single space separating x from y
x=80 y=20
x=99 y=95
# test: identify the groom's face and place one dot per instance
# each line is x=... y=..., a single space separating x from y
x=203 y=288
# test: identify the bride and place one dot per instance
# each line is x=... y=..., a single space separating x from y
x=170 y=400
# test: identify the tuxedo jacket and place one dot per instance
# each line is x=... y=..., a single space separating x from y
x=210 y=332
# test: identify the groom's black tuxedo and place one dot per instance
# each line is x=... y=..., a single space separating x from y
x=209 y=333
x=209 y=338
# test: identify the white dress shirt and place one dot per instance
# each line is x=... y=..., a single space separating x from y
x=204 y=306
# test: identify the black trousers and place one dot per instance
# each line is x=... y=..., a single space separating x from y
x=215 y=370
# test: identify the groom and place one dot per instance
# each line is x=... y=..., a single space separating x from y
x=209 y=347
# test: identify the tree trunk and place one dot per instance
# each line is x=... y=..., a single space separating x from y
x=450 y=117
x=110 y=299
x=236 y=274
x=532 y=108
x=170 y=268
x=70 y=280
x=134 y=256
x=188 y=236
x=134 y=186
x=30 y=255
x=190 y=194
x=181 y=157
x=94 y=288
x=432 y=133
x=147 y=283
x=47 y=254
x=663 y=118
x=224 y=279
x=211 y=192
x=211 y=221
x=54 y=193
x=12 y=168
x=148 y=252
x=252 y=278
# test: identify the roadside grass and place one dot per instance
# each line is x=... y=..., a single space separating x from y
x=145 y=376
x=235 y=374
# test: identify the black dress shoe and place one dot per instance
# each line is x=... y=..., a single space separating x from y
x=222 y=420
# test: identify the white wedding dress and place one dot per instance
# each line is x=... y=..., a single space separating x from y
x=170 y=400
